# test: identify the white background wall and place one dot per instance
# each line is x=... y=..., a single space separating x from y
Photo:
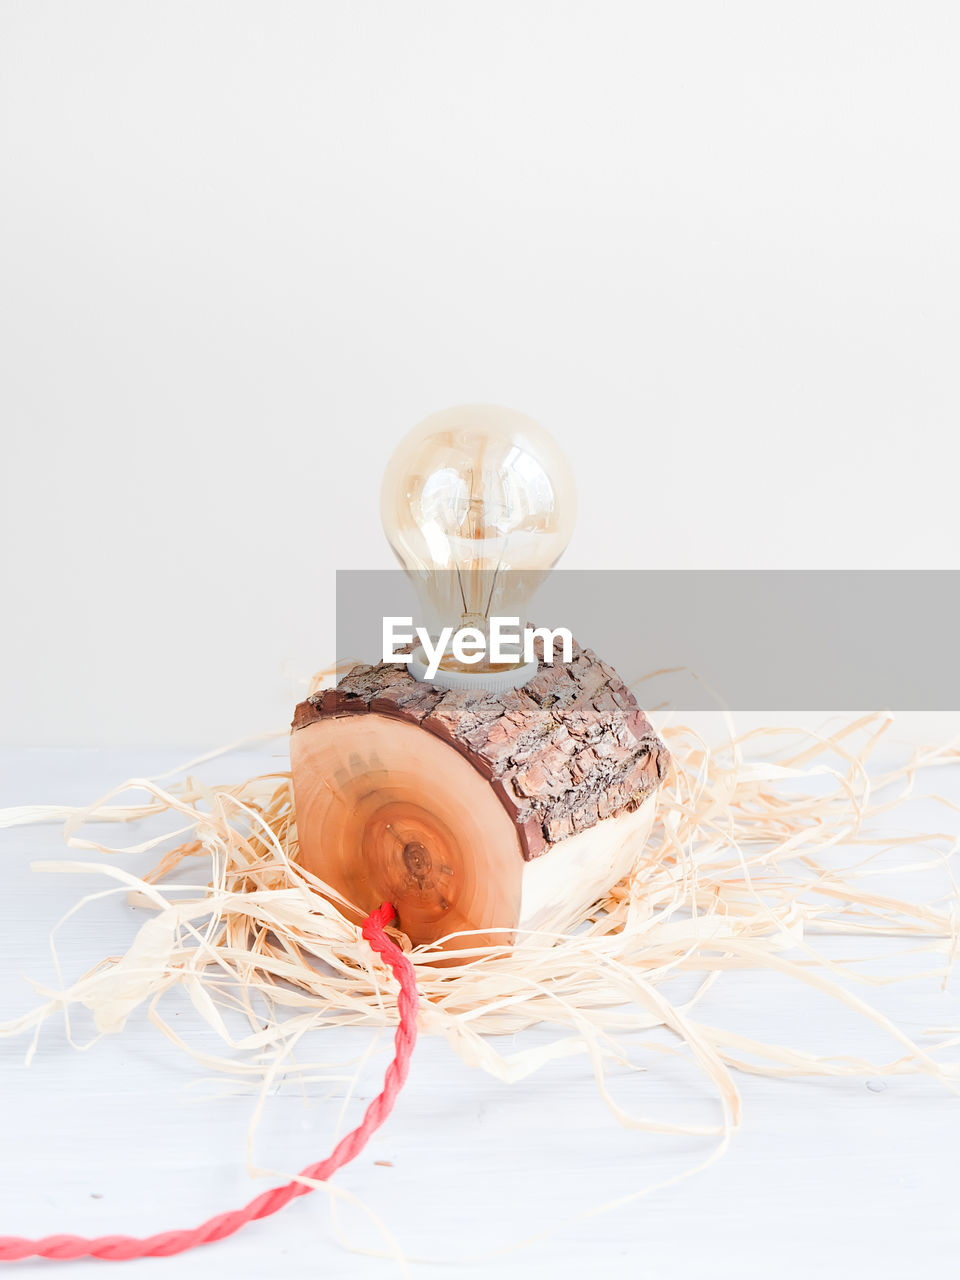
x=714 y=248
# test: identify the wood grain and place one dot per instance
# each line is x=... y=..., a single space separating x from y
x=389 y=813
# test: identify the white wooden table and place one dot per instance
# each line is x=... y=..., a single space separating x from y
x=836 y=1178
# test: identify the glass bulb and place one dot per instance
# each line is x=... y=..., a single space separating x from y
x=478 y=504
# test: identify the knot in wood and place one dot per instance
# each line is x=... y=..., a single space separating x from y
x=417 y=859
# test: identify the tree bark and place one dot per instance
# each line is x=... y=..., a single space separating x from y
x=566 y=751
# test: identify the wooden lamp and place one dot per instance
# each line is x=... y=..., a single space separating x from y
x=496 y=796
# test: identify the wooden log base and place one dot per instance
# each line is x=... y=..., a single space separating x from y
x=442 y=802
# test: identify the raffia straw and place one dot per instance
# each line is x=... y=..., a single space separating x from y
x=741 y=873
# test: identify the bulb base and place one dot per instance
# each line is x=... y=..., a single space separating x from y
x=483 y=681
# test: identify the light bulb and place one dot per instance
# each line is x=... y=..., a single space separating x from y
x=478 y=503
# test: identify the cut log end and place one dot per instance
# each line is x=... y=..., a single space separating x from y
x=388 y=813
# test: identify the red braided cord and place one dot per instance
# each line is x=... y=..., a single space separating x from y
x=121 y=1248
